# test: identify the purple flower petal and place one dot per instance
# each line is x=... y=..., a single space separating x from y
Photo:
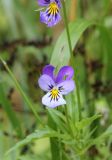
x=59 y=3
x=49 y=18
x=46 y=83
x=44 y=17
x=65 y=73
x=43 y=2
x=52 y=103
x=55 y=19
x=49 y=69
x=66 y=86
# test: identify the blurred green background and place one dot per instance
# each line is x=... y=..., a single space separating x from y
x=26 y=45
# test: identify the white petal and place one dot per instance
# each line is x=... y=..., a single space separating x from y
x=47 y=101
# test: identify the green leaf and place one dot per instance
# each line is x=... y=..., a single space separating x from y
x=58 y=119
x=55 y=143
x=98 y=140
x=61 y=55
x=86 y=122
x=42 y=133
x=72 y=107
x=107 y=133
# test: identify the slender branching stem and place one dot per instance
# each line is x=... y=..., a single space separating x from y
x=72 y=57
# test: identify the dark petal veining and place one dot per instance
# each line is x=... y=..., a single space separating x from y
x=52 y=103
x=56 y=86
x=50 y=19
x=46 y=83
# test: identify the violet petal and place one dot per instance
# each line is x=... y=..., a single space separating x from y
x=49 y=18
x=48 y=69
x=65 y=73
x=43 y=2
x=46 y=83
x=66 y=87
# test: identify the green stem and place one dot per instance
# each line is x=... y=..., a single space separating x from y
x=59 y=142
x=21 y=91
x=68 y=122
x=67 y=28
x=78 y=97
x=72 y=57
x=60 y=145
x=55 y=143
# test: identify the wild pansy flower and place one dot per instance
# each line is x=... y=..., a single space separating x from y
x=51 y=15
x=56 y=85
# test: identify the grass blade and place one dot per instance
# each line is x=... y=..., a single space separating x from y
x=29 y=104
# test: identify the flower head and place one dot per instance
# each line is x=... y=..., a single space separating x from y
x=56 y=85
x=51 y=16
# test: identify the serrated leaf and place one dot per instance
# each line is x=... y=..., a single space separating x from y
x=86 y=122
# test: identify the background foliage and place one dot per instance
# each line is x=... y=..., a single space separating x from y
x=26 y=46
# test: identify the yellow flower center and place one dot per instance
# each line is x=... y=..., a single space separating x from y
x=53 y=8
x=54 y=93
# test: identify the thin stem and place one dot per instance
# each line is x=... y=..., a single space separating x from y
x=21 y=91
x=55 y=143
x=68 y=122
x=66 y=25
x=67 y=117
x=78 y=97
x=59 y=142
x=72 y=57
